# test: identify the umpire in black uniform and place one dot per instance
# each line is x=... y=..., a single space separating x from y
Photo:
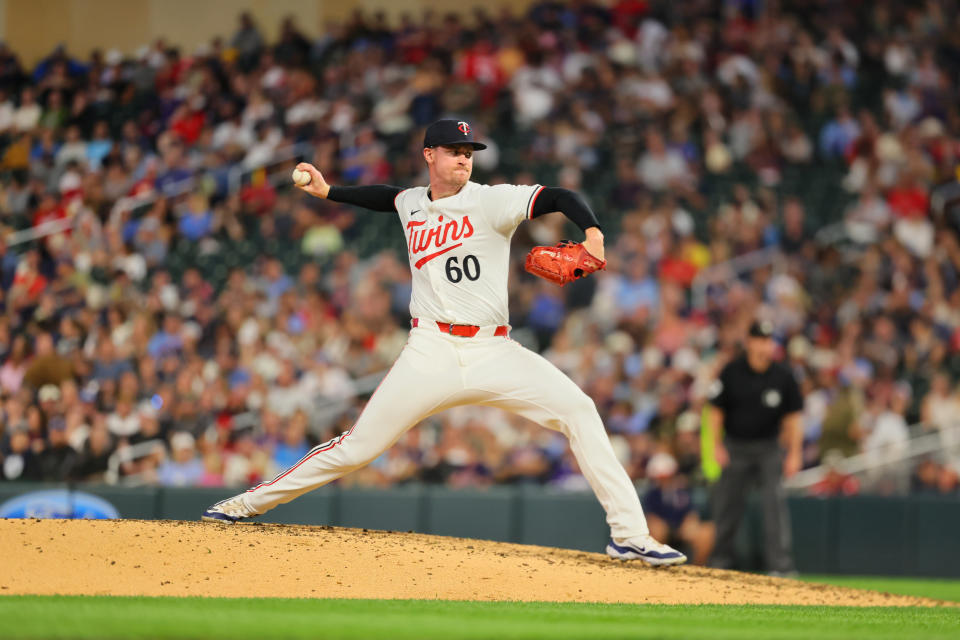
x=753 y=398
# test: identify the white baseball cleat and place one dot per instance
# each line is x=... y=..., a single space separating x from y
x=230 y=511
x=644 y=548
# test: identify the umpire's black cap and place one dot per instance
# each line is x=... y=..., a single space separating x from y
x=761 y=329
x=448 y=132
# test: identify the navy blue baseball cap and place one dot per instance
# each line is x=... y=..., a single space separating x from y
x=450 y=132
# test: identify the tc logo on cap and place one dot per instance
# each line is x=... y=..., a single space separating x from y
x=464 y=127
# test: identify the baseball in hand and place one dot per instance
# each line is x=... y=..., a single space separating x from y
x=302 y=178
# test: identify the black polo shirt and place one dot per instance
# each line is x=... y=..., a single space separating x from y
x=754 y=403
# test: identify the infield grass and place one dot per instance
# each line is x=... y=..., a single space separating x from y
x=237 y=619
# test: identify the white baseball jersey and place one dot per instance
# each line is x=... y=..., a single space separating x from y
x=459 y=249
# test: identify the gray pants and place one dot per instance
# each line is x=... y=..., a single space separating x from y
x=760 y=462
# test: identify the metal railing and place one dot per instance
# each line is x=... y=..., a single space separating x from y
x=725 y=272
x=282 y=155
x=894 y=460
x=179 y=188
x=129 y=203
x=42 y=230
x=722 y=273
x=325 y=412
x=127 y=454
x=831 y=234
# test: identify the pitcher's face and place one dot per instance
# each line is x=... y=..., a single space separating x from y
x=452 y=164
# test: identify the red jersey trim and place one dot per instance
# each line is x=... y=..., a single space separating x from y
x=533 y=201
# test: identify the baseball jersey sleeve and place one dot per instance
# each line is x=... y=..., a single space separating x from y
x=377 y=197
x=507 y=205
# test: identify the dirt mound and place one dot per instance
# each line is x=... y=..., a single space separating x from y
x=133 y=557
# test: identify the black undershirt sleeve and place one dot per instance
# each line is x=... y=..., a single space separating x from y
x=569 y=203
x=377 y=197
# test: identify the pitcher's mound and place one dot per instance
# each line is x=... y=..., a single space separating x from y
x=154 y=558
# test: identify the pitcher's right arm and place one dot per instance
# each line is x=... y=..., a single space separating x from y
x=377 y=197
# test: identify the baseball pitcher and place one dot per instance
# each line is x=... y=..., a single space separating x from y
x=459 y=351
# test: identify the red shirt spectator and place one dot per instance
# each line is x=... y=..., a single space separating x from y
x=259 y=196
x=49 y=210
x=677 y=269
x=836 y=483
x=908 y=200
x=481 y=65
x=627 y=15
x=28 y=278
x=187 y=123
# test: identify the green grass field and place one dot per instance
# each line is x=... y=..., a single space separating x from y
x=237 y=619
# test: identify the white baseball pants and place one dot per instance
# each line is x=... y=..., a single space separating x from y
x=436 y=371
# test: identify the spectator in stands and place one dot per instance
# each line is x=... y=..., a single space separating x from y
x=835 y=481
x=27 y=115
x=95 y=455
x=183 y=468
x=948 y=482
x=294 y=444
x=196 y=219
x=247 y=41
x=940 y=410
x=20 y=458
x=886 y=429
x=637 y=291
x=14 y=367
x=46 y=366
x=839 y=133
x=59 y=461
x=660 y=167
x=670 y=511
x=925 y=477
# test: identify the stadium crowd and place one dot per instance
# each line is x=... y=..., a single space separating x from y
x=211 y=330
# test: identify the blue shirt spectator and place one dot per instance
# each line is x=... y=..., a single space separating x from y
x=672 y=505
x=547 y=311
x=163 y=343
x=196 y=225
x=97 y=150
x=286 y=455
x=637 y=288
x=838 y=134
x=183 y=468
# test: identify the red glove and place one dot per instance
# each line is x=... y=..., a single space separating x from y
x=563 y=263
